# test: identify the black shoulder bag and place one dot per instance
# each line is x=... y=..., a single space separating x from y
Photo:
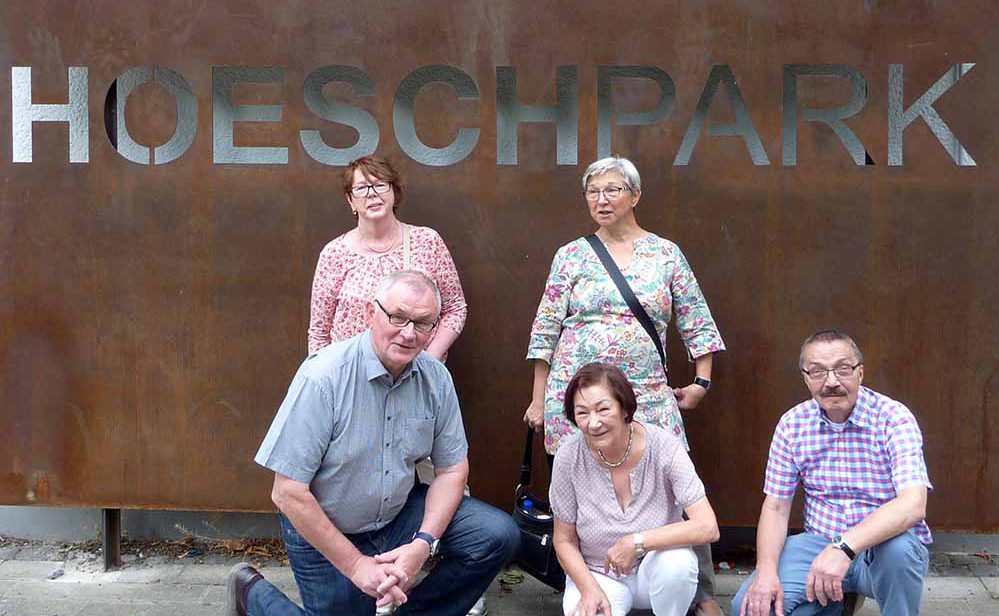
x=628 y=294
x=533 y=515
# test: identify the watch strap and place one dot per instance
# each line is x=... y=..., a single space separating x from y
x=705 y=383
x=639 y=544
x=430 y=539
x=842 y=545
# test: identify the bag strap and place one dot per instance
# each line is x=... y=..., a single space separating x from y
x=525 y=466
x=628 y=294
x=405 y=247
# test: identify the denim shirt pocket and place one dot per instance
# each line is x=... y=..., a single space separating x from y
x=418 y=437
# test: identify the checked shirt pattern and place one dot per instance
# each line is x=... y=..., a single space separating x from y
x=847 y=470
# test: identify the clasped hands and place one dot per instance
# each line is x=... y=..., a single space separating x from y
x=388 y=576
x=621 y=558
x=823 y=584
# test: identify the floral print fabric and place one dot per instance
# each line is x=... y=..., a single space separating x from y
x=346 y=281
x=583 y=318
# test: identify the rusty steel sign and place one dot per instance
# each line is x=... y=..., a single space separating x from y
x=170 y=172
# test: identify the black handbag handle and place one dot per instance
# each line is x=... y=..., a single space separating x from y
x=525 y=466
x=628 y=295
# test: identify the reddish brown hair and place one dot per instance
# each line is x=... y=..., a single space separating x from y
x=373 y=167
x=601 y=374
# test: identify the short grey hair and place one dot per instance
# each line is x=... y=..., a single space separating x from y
x=828 y=335
x=414 y=280
x=620 y=164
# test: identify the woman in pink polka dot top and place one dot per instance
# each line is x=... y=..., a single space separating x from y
x=619 y=492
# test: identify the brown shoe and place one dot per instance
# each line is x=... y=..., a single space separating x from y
x=237 y=586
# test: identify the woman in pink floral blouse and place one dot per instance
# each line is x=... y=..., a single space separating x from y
x=351 y=266
x=583 y=318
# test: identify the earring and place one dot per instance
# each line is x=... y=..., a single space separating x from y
x=353 y=212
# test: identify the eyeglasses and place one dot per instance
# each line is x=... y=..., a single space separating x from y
x=611 y=192
x=819 y=375
x=364 y=190
x=421 y=325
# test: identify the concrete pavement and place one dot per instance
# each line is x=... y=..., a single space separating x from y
x=73 y=584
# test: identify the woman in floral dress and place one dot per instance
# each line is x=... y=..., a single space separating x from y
x=583 y=318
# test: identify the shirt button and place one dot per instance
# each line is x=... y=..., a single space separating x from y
x=386 y=472
x=390 y=418
x=386 y=444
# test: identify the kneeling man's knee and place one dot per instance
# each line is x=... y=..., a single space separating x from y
x=497 y=535
x=904 y=552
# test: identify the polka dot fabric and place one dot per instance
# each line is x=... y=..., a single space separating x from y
x=663 y=484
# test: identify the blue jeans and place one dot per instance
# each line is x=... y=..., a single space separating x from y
x=891 y=573
x=479 y=540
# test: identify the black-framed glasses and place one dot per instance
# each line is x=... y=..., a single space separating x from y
x=396 y=320
x=364 y=190
x=611 y=192
x=819 y=375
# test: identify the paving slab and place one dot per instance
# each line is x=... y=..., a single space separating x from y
x=957 y=608
x=727 y=584
x=954 y=588
x=282 y=577
x=149 y=575
x=34 y=607
x=198 y=590
x=27 y=569
x=200 y=574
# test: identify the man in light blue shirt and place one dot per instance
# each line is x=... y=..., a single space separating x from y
x=343 y=446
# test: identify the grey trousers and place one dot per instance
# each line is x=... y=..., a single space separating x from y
x=705 y=574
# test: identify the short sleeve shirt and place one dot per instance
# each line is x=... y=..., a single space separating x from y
x=663 y=484
x=355 y=435
x=847 y=470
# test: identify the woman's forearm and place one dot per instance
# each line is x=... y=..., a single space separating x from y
x=700 y=528
x=439 y=346
x=573 y=564
x=541 y=370
x=702 y=366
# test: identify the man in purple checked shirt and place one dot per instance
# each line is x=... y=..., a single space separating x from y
x=859 y=457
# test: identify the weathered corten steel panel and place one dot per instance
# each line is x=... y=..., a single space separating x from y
x=151 y=316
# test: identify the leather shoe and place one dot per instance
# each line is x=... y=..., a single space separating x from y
x=237 y=585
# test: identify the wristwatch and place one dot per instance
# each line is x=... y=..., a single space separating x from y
x=838 y=543
x=705 y=383
x=639 y=545
x=434 y=542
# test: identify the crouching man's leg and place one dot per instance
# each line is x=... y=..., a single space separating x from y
x=795 y=561
x=892 y=573
x=324 y=590
x=476 y=544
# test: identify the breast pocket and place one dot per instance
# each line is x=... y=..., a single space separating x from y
x=418 y=437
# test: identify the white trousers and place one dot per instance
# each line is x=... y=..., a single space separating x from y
x=665 y=583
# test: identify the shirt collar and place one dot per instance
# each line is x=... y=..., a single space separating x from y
x=860 y=416
x=374 y=368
